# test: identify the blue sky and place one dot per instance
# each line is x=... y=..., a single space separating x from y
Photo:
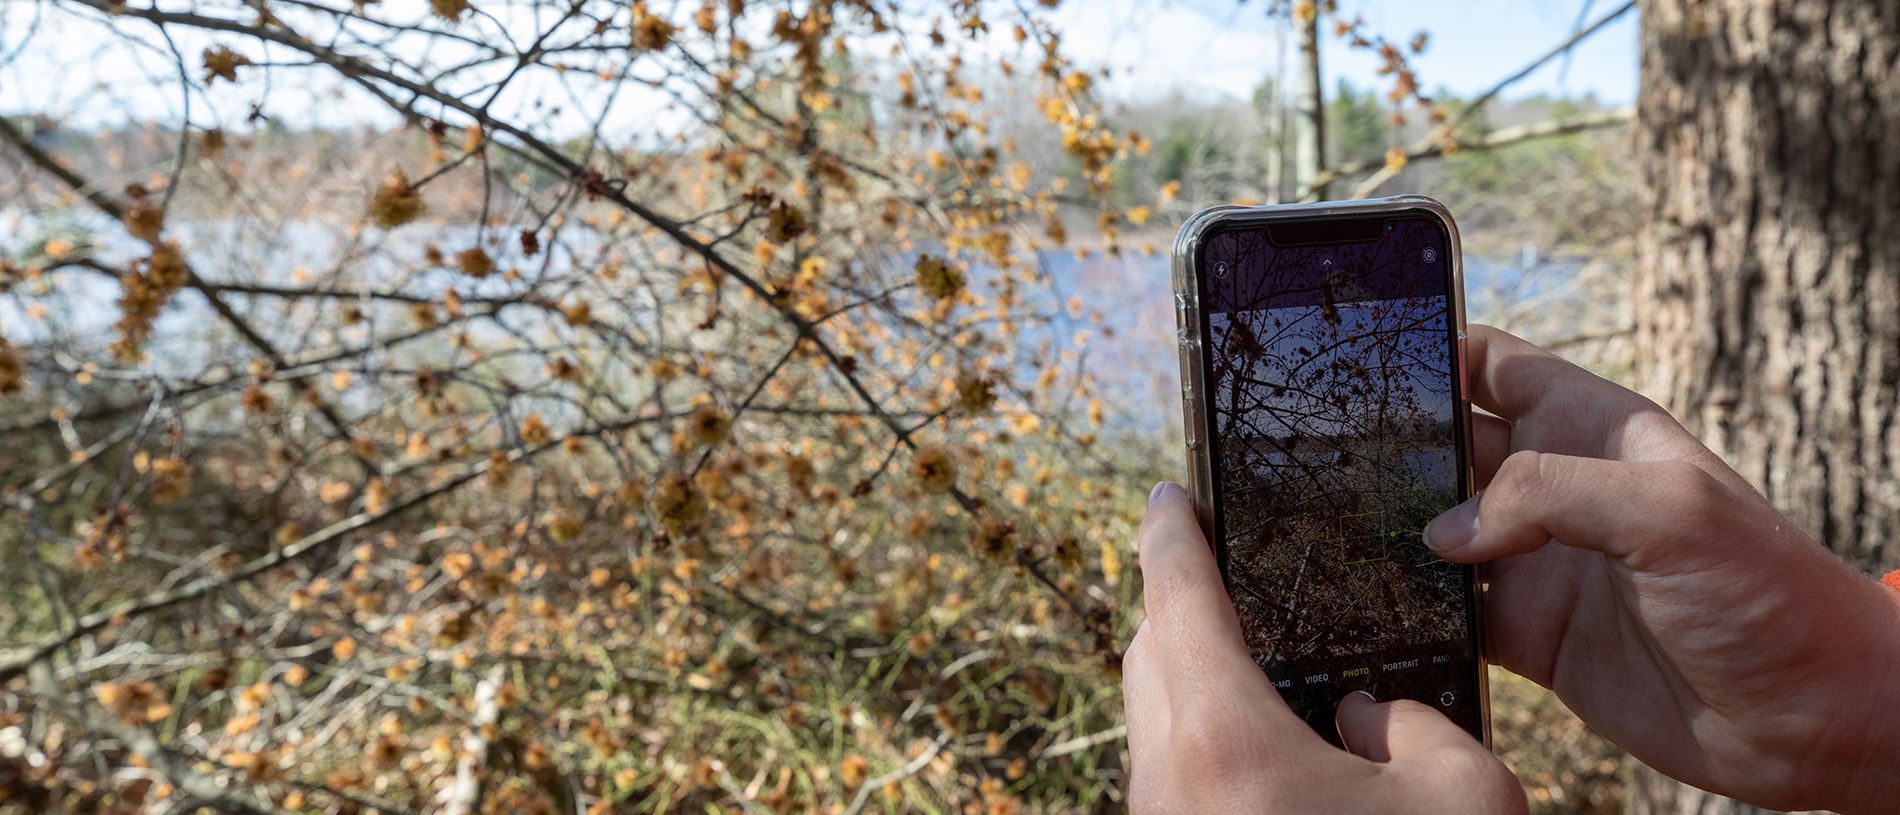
x=1220 y=48
x=1371 y=332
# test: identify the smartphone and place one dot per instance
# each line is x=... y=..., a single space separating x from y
x=1323 y=389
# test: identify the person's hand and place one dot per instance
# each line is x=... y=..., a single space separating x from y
x=1665 y=601
x=1208 y=734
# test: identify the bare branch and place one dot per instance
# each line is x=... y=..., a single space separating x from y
x=1440 y=133
x=1496 y=140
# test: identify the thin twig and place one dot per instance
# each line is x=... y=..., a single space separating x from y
x=92 y=623
x=194 y=787
x=243 y=327
x=1081 y=743
x=915 y=766
x=466 y=794
x=1496 y=140
x=1441 y=133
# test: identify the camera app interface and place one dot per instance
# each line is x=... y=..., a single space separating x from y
x=1335 y=441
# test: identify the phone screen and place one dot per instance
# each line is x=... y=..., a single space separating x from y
x=1337 y=435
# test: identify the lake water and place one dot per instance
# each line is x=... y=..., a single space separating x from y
x=1130 y=350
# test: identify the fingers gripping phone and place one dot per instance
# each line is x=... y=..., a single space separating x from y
x=1321 y=351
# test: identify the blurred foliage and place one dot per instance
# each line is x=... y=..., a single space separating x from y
x=1575 y=189
x=1564 y=765
x=1357 y=126
x=1188 y=142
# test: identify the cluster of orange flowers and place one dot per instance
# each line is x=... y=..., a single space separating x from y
x=736 y=475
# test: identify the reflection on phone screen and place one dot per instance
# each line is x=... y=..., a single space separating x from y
x=1335 y=440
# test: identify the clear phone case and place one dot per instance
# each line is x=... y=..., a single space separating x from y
x=1189 y=339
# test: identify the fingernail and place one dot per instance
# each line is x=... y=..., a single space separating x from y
x=1455 y=528
x=1342 y=700
x=1160 y=486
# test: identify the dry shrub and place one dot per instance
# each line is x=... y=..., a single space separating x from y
x=501 y=463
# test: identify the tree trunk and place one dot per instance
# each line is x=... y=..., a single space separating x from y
x=1768 y=264
x=1310 y=145
x=1279 y=124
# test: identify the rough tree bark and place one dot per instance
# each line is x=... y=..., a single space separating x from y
x=1768 y=295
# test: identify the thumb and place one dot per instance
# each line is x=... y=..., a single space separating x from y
x=1619 y=508
x=1381 y=731
x=1443 y=768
